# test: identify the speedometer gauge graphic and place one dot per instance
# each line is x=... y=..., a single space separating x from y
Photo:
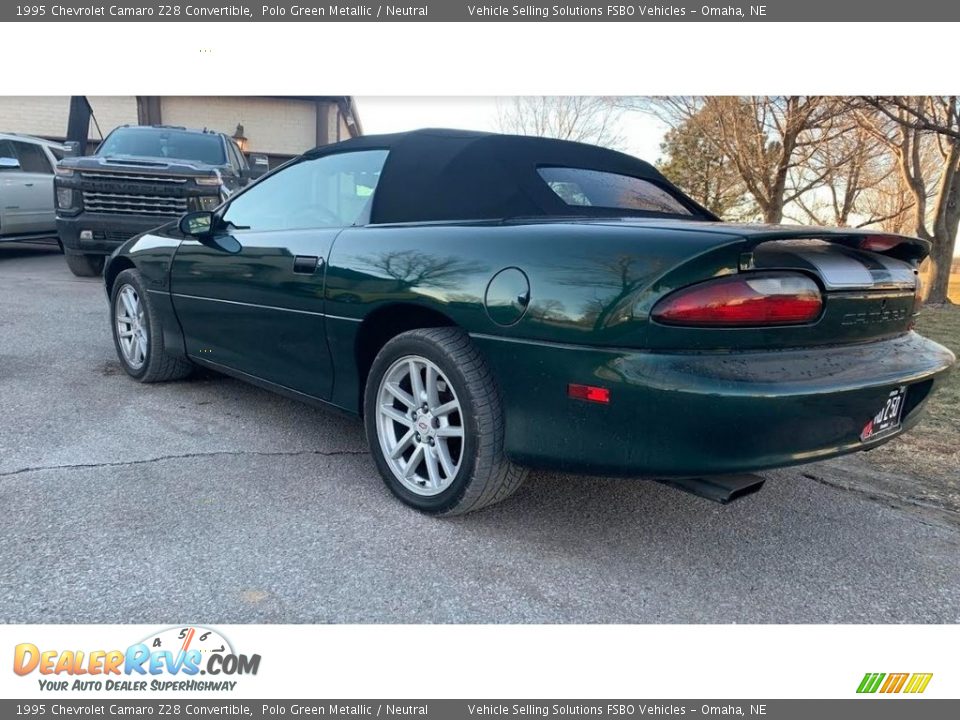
x=185 y=638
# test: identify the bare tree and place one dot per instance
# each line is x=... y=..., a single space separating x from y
x=413 y=268
x=905 y=125
x=766 y=138
x=889 y=204
x=851 y=163
x=704 y=173
x=580 y=118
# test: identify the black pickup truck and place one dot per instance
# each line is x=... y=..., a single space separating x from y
x=142 y=177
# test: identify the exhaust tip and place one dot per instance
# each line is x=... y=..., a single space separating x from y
x=721 y=489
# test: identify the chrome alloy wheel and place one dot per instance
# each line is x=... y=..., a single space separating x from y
x=131 y=327
x=420 y=425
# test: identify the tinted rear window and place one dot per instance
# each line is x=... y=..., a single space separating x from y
x=593 y=188
x=164 y=143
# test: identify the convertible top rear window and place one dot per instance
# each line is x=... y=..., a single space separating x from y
x=579 y=187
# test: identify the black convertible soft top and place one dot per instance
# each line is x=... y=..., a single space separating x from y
x=438 y=175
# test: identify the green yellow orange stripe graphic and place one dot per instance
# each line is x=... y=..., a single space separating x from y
x=887 y=683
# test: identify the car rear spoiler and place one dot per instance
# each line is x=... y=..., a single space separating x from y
x=902 y=247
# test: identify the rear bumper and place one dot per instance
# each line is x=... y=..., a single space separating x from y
x=690 y=414
x=109 y=231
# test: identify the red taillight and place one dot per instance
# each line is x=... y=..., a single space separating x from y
x=745 y=300
x=588 y=392
x=880 y=243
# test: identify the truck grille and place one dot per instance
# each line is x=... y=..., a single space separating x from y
x=126 y=177
x=129 y=204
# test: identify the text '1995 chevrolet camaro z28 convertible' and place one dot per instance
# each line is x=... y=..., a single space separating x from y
x=490 y=303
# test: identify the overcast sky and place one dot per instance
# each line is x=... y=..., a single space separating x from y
x=641 y=132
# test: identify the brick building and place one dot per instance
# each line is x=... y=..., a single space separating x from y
x=280 y=127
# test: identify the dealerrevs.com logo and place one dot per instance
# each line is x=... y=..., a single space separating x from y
x=172 y=659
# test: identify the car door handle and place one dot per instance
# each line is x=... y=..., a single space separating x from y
x=28 y=184
x=306 y=264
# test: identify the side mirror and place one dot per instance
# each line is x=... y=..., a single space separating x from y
x=71 y=148
x=9 y=163
x=197 y=223
x=201 y=226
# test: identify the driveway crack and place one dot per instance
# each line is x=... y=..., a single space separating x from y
x=897 y=502
x=185 y=456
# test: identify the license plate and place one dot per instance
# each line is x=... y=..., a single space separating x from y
x=887 y=420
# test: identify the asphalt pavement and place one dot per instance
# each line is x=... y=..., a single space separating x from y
x=211 y=501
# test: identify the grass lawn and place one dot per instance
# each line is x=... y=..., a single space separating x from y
x=943 y=325
x=930 y=453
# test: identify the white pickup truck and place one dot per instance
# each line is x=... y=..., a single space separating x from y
x=26 y=188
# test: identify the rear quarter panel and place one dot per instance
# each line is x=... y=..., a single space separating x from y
x=586 y=281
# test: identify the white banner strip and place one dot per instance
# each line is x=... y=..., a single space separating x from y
x=369 y=661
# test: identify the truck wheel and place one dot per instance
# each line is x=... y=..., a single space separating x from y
x=434 y=423
x=138 y=335
x=85 y=265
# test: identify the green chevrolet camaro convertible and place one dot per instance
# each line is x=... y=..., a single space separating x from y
x=489 y=303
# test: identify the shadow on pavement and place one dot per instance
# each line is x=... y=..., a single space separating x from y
x=13 y=250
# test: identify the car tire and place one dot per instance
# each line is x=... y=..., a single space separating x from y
x=142 y=353
x=85 y=265
x=481 y=473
